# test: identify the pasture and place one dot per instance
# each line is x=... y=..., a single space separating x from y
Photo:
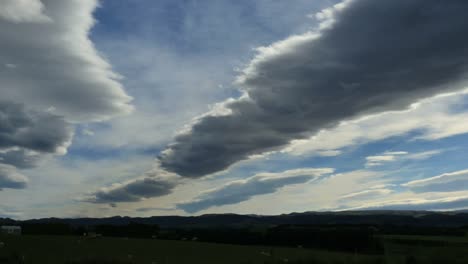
x=70 y=249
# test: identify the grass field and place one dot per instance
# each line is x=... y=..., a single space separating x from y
x=67 y=249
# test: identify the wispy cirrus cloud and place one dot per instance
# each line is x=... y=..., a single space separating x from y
x=393 y=156
x=452 y=181
x=366 y=194
x=435 y=204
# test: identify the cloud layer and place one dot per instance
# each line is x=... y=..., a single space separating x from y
x=242 y=190
x=367 y=58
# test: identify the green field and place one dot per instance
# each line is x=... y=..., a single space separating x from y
x=67 y=249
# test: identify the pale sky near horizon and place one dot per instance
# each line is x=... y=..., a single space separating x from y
x=186 y=107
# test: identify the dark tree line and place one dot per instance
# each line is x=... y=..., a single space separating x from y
x=352 y=238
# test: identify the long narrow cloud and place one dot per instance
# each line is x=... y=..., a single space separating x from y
x=454 y=181
x=243 y=190
x=444 y=204
x=367 y=57
x=366 y=194
x=388 y=157
x=152 y=184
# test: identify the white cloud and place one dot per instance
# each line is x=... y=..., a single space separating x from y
x=393 y=156
x=51 y=77
x=23 y=11
x=56 y=64
x=432 y=204
x=366 y=194
x=453 y=181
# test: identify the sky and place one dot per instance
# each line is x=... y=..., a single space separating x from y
x=185 y=107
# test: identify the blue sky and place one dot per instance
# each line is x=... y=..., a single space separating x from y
x=192 y=107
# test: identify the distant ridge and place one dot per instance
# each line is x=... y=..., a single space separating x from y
x=396 y=218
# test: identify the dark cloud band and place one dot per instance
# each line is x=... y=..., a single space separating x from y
x=369 y=57
x=152 y=184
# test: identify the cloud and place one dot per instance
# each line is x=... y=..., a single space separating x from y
x=394 y=156
x=150 y=209
x=242 y=190
x=374 y=57
x=31 y=130
x=23 y=11
x=152 y=184
x=378 y=160
x=445 y=122
x=10 y=178
x=447 y=182
x=366 y=194
x=8 y=212
x=52 y=78
x=20 y=158
x=439 y=204
x=55 y=64
x=25 y=136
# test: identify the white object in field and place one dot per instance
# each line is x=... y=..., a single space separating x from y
x=11 y=230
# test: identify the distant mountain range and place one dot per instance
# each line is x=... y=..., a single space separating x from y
x=378 y=218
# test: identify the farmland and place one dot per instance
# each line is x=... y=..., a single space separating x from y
x=73 y=249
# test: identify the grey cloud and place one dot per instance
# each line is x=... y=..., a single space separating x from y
x=376 y=56
x=150 y=209
x=22 y=129
x=8 y=212
x=447 y=182
x=20 y=158
x=11 y=179
x=51 y=76
x=25 y=136
x=54 y=64
x=243 y=190
x=149 y=186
